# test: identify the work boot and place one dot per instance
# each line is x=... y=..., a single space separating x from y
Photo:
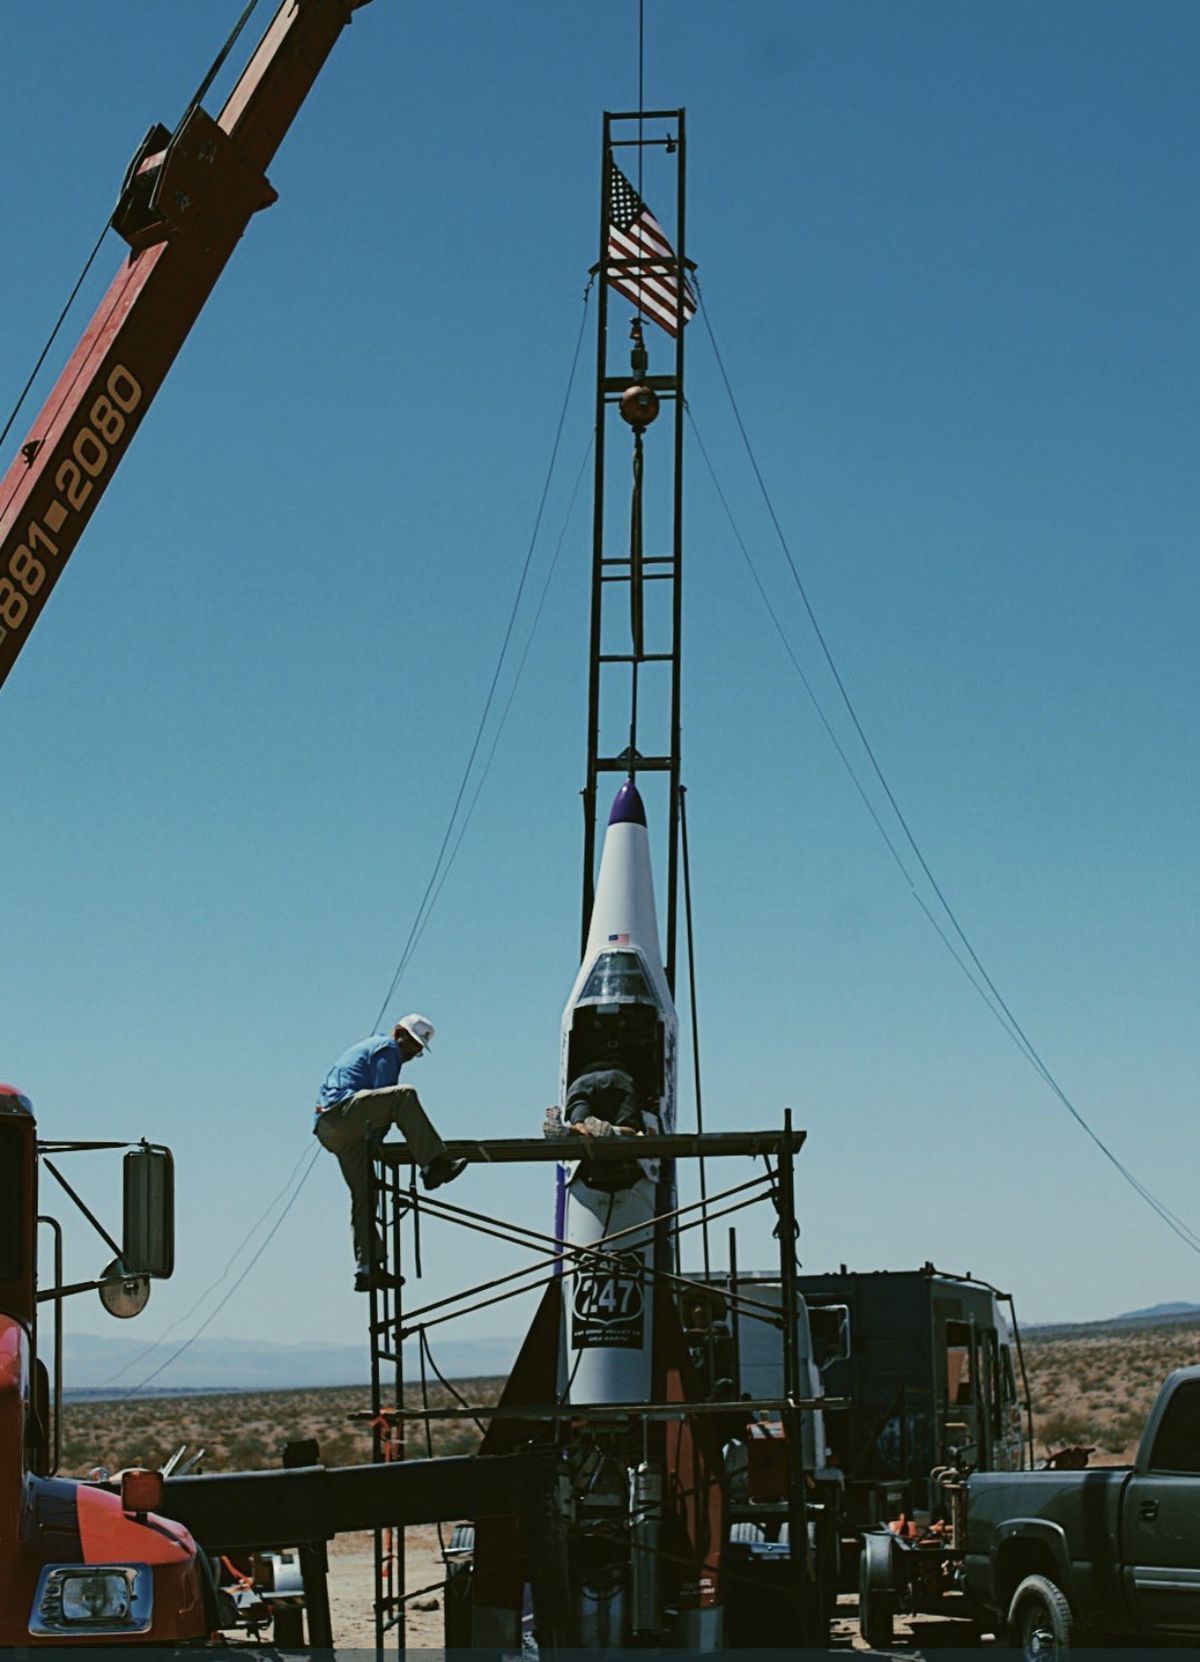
x=442 y=1170
x=376 y=1277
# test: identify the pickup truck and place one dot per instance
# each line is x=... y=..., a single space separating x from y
x=1062 y=1557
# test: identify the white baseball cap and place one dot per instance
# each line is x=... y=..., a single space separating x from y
x=419 y=1028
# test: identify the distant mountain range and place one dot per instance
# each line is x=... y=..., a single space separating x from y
x=111 y=1365
x=1156 y=1312
x=1154 y=1315
x=98 y=1365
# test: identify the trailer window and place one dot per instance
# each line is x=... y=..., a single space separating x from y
x=1177 y=1445
x=960 y=1388
x=12 y=1221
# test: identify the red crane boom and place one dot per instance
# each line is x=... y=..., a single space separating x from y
x=185 y=202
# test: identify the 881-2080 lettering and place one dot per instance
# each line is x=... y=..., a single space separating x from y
x=86 y=456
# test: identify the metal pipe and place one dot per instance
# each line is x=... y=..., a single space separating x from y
x=398 y=1614
x=736 y=1324
x=645 y=1525
x=792 y=1424
x=499 y=1151
x=695 y=1017
x=677 y=551
x=83 y=1207
x=314 y=1570
x=373 y=1192
x=593 y=719
x=1028 y=1403
x=56 y=1442
x=603 y=1412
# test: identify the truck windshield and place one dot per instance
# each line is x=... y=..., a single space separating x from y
x=618 y=975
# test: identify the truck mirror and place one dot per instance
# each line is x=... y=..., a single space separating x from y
x=123 y=1295
x=149 y=1232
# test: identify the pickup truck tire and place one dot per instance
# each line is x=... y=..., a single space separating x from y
x=876 y=1591
x=1040 y=1621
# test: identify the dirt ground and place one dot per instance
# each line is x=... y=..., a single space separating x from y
x=351 y=1590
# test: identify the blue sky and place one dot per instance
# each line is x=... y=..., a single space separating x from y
x=950 y=256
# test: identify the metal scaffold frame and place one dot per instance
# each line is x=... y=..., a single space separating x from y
x=623 y=575
x=399 y=1207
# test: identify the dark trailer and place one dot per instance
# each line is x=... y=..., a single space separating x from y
x=931 y=1377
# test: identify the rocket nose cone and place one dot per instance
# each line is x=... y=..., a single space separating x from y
x=627 y=807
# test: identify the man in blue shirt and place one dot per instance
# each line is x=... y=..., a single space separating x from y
x=358 y=1104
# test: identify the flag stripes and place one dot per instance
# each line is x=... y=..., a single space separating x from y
x=640 y=262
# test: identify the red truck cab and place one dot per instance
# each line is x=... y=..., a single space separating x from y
x=75 y=1563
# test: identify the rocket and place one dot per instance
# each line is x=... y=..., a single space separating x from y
x=619 y=1030
x=640 y=1503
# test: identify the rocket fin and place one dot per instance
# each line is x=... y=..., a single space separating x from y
x=501 y=1544
x=534 y=1376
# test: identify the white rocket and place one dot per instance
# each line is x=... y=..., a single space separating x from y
x=643 y=1506
x=620 y=1016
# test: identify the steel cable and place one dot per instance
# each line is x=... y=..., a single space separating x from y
x=1000 y=1008
x=154 y=1344
x=216 y=1310
x=33 y=373
x=487 y=767
x=426 y=902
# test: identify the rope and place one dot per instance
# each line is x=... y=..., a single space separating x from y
x=487 y=767
x=1000 y=1008
x=427 y=899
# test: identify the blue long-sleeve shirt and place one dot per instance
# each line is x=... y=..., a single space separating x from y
x=370 y=1065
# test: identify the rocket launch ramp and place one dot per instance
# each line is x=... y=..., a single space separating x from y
x=533 y=1406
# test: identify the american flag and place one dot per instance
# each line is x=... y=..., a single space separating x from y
x=634 y=234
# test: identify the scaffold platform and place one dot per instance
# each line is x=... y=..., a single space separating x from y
x=399 y=1203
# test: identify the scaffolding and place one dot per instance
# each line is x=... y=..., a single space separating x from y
x=399 y=1208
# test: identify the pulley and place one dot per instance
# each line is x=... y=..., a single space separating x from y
x=639 y=406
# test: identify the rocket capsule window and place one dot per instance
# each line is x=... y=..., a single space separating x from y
x=618 y=975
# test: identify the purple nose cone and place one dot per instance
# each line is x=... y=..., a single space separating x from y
x=627 y=809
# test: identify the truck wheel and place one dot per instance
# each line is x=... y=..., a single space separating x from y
x=876 y=1591
x=1040 y=1622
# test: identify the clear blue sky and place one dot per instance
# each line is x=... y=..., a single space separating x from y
x=950 y=253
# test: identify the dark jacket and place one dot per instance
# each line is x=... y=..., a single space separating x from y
x=607 y=1094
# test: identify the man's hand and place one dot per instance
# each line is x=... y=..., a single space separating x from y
x=593 y=1127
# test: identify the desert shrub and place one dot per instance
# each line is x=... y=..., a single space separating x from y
x=1058 y=1429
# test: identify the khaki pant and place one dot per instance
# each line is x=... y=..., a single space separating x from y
x=344 y=1130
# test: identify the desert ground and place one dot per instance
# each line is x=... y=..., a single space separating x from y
x=1089 y=1385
